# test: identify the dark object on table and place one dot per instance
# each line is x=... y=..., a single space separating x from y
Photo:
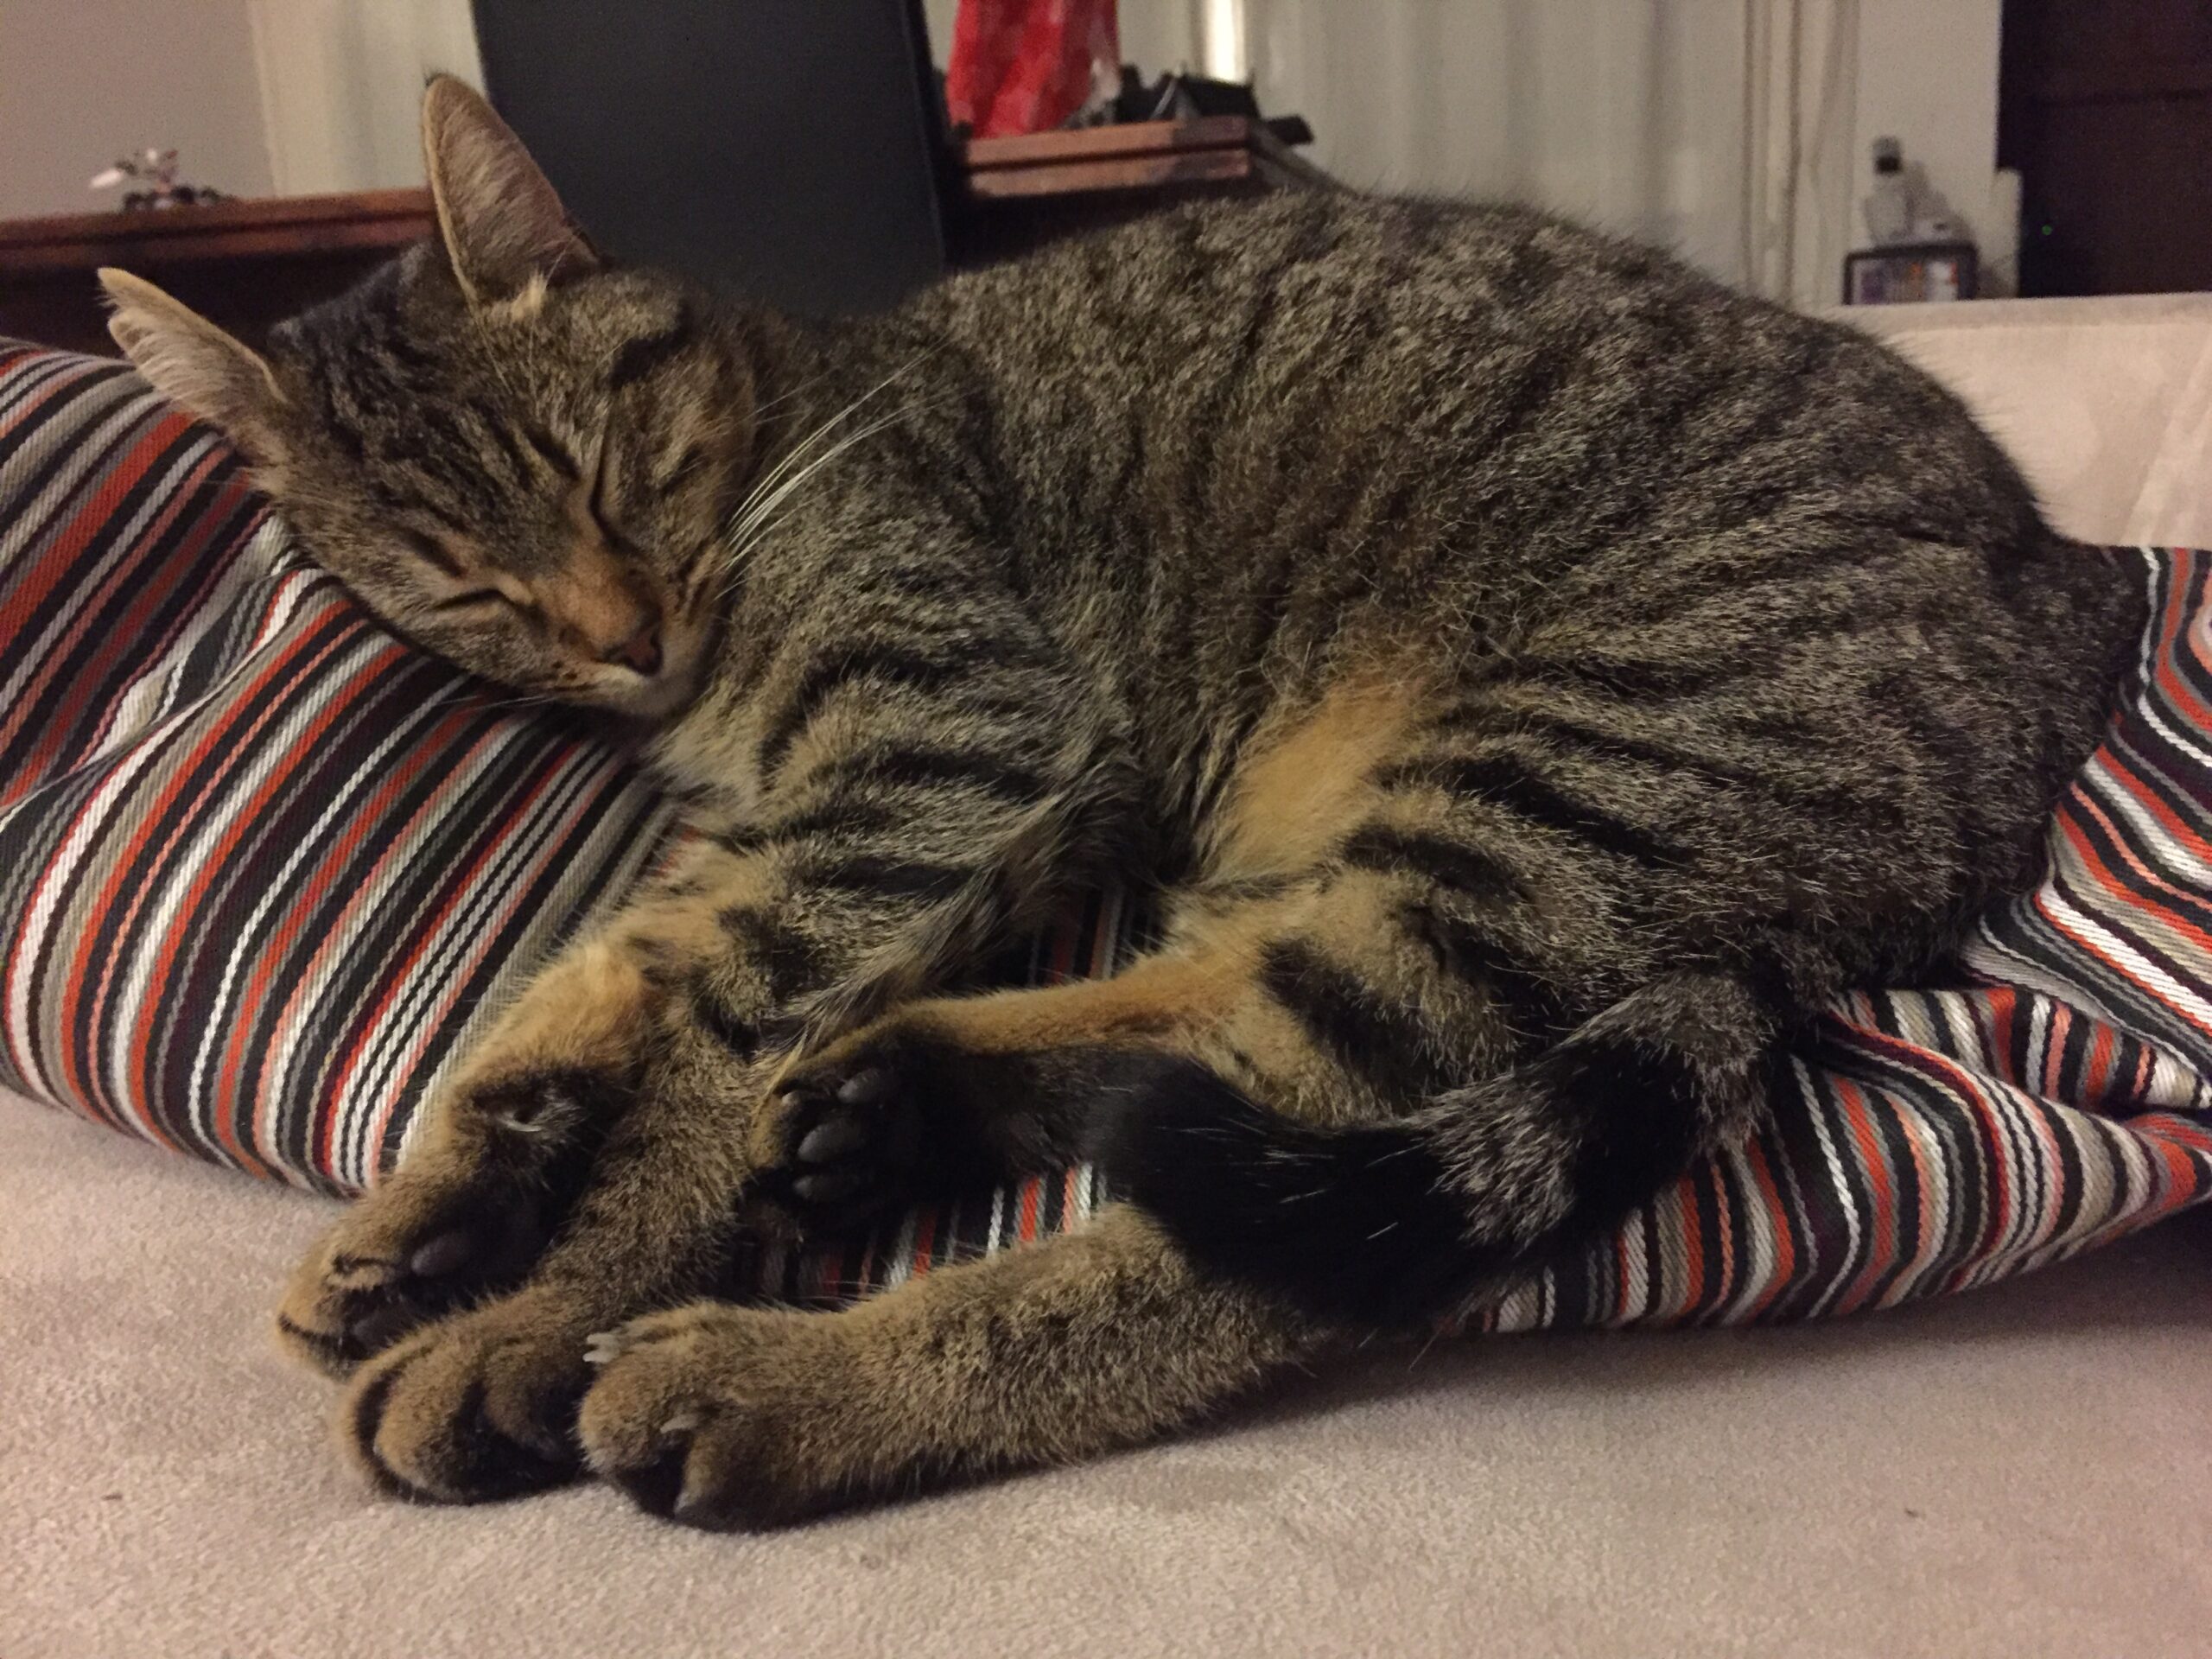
x=1904 y=272
x=796 y=150
x=789 y=150
x=1178 y=97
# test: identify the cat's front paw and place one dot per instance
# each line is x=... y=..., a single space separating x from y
x=726 y=1418
x=467 y=1215
x=479 y=1406
x=843 y=1136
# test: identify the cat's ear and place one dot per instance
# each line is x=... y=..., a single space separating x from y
x=501 y=223
x=191 y=361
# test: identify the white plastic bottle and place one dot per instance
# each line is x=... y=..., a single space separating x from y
x=1889 y=206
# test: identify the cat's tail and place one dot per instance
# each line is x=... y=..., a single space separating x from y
x=1405 y=1220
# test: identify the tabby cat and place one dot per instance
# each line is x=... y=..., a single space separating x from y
x=1531 y=676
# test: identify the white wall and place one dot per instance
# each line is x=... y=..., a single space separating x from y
x=1928 y=78
x=84 y=81
x=1634 y=114
x=341 y=82
x=936 y=15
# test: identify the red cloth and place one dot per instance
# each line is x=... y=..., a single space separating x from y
x=1027 y=65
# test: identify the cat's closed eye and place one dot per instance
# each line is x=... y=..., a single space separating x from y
x=477 y=599
x=432 y=552
x=603 y=516
x=482 y=599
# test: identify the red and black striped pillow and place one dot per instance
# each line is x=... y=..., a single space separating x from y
x=264 y=870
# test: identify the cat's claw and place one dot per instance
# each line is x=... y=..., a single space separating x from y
x=706 y=1417
x=604 y=1347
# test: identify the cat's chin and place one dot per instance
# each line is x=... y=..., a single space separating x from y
x=657 y=697
x=654 y=700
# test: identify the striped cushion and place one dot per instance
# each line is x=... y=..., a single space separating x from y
x=264 y=871
x=256 y=854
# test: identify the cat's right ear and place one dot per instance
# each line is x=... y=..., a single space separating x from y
x=503 y=226
x=191 y=361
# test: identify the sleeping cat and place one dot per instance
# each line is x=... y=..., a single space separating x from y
x=1532 y=677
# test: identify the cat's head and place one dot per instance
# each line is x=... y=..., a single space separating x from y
x=518 y=456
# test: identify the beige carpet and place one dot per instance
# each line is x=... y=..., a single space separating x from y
x=2025 y=1471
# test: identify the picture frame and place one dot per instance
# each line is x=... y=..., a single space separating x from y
x=1910 y=272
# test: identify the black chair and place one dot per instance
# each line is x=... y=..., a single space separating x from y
x=790 y=150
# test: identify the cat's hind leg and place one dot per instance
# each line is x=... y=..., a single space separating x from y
x=1427 y=1010
x=723 y=1416
x=1410 y=1030
x=949 y=1092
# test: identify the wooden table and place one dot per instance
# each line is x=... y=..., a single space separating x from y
x=245 y=264
x=248 y=264
x=1016 y=192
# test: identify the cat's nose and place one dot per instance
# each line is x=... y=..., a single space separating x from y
x=641 y=651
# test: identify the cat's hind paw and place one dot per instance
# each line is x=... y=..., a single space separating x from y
x=725 y=1418
x=476 y=1407
x=844 y=1138
x=467 y=1215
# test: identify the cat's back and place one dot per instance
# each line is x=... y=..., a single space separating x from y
x=1284 y=277
x=1236 y=450
x=1441 y=389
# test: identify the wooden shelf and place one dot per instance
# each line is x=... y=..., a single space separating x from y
x=1137 y=155
x=247 y=264
x=1018 y=193
x=269 y=227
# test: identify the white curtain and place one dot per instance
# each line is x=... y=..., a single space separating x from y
x=341 y=81
x=1724 y=129
x=1801 y=74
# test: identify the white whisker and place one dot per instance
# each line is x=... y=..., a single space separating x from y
x=742 y=538
x=773 y=485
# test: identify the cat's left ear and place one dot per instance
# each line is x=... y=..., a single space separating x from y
x=502 y=225
x=191 y=361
